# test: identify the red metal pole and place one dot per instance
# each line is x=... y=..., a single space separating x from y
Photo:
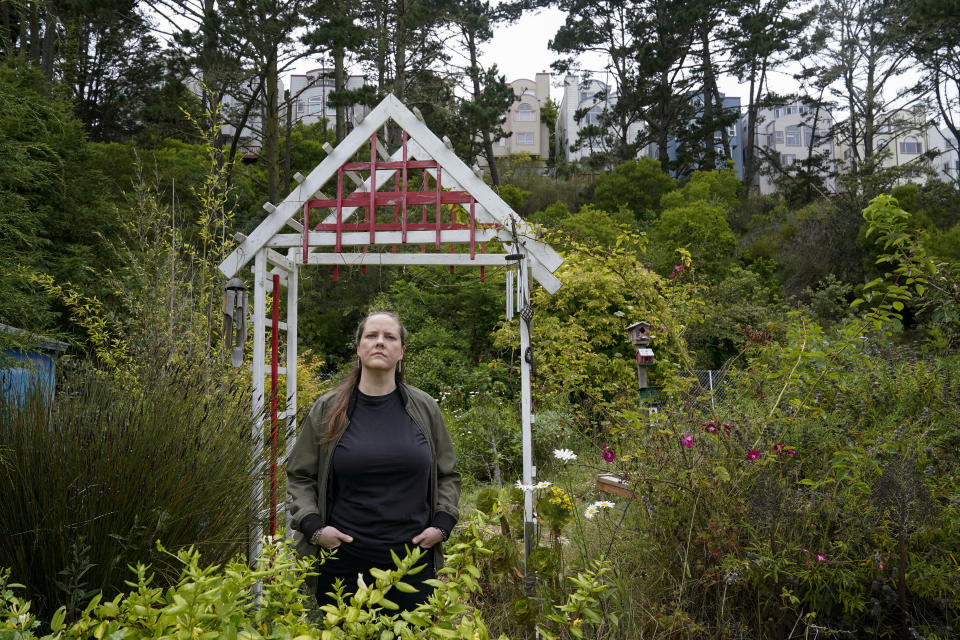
x=438 y=209
x=473 y=228
x=403 y=202
x=372 y=215
x=423 y=209
x=483 y=249
x=274 y=356
x=337 y=247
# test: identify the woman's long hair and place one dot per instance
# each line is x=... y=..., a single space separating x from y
x=337 y=421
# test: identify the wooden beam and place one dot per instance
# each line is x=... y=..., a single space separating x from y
x=455 y=259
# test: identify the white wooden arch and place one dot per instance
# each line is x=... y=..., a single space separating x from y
x=358 y=229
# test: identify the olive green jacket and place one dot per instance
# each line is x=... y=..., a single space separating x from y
x=308 y=468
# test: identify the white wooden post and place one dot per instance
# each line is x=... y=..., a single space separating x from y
x=257 y=410
x=526 y=435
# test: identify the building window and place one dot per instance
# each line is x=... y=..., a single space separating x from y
x=732 y=131
x=778 y=137
x=299 y=106
x=524 y=138
x=787 y=159
x=501 y=142
x=777 y=112
x=793 y=136
x=593 y=116
x=524 y=113
x=911 y=144
x=315 y=106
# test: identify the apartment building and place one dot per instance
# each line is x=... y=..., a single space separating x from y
x=311 y=94
x=232 y=110
x=730 y=106
x=526 y=132
x=790 y=134
x=910 y=138
x=590 y=97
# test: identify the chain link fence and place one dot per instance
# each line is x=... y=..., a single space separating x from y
x=713 y=389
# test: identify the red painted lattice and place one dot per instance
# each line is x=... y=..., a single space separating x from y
x=400 y=199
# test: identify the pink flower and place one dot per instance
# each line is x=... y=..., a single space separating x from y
x=752 y=455
x=778 y=448
x=790 y=452
x=608 y=454
x=687 y=440
x=821 y=557
x=679 y=267
x=727 y=427
x=709 y=427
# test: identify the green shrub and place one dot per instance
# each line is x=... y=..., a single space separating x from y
x=235 y=601
x=95 y=477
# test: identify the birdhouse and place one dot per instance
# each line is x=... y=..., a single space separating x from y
x=644 y=356
x=639 y=333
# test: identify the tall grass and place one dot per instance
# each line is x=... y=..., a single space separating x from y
x=93 y=478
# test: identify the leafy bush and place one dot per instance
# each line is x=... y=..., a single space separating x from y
x=236 y=601
x=95 y=477
x=638 y=185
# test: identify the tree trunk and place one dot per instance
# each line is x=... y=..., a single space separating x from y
x=662 y=128
x=709 y=88
x=288 y=128
x=339 y=85
x=47 y=53
x=270 y=153
x=6 y=31
x=34 y=42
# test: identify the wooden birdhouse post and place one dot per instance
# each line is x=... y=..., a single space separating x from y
x=639 y=335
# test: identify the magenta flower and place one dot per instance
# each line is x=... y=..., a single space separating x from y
x=727 y=427
x=821 y=557
x=687 y=440
x=790 y=452
x=752 y=455
x=709 y=427
x=778 y=448
x=608 y=454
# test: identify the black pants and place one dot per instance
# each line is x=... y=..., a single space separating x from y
x=346 y=567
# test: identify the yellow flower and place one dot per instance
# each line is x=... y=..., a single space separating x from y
x=560 y=498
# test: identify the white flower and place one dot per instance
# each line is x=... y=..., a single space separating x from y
x=524 y=487
x=619 y=314
x=564 y=454
x=543 y=484
x=603 y=504
x=590 y=512
x=563 y=540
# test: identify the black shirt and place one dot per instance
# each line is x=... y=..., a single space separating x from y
x=381 y=478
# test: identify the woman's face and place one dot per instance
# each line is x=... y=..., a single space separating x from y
x=380 y=346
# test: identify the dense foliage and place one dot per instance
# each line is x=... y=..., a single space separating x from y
x=808 y=488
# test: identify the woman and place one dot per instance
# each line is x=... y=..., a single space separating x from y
x=373 y=469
